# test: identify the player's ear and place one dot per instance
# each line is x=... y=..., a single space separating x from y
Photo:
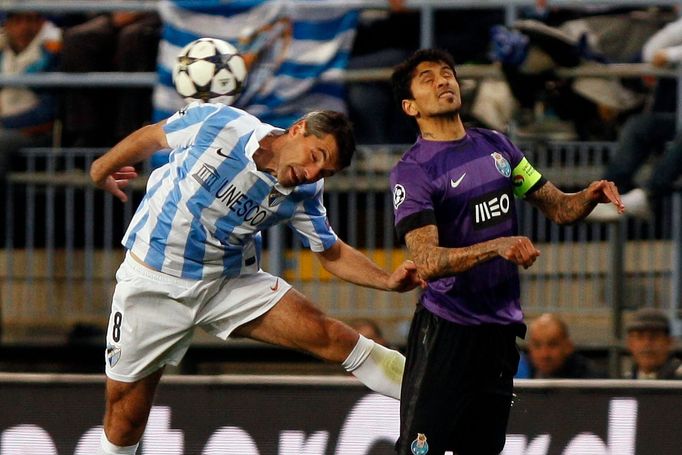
x=297 y=128
x=409 y=108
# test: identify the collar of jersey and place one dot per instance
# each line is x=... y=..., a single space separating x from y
x=252 y=145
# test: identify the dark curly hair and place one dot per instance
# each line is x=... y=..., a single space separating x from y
x=401 y=79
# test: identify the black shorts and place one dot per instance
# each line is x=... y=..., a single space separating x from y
x=457 y=387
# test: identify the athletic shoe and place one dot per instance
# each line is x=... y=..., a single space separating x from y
x=604 y=213
x=637 y=204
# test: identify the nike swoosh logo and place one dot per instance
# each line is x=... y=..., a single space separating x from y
x=219 y=151
x=275 y=286
x=455 y=183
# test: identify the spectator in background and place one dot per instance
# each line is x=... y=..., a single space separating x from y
x=587 y=108
x=651 y=346
x=551 y=352
x=29 y=44
x=384 y=38
x=648 y=134
x=120 y=41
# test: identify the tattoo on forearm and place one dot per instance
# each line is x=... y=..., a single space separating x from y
x=561 y=207
x=435 y=261
x=421 y=243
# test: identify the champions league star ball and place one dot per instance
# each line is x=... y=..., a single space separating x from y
x=209 y=69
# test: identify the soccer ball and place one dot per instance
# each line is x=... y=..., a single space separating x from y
x=209 y=69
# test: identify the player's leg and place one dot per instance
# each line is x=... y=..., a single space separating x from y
x=457 y=387
x=151 y=325
x=641 y=135
x=127 y=409
x=430 y=401
x=666 y=171
x=483 y=430
x=294 y=322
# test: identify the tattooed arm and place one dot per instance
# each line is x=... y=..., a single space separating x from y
x=434 y=261
x=565 y=208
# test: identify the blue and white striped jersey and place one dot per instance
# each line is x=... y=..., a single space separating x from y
x=204 y=210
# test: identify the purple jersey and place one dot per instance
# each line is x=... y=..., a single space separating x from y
x=466 y=189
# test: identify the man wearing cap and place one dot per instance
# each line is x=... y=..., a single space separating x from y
x=650 y=344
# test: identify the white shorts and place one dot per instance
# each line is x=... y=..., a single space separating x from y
x=153 y=315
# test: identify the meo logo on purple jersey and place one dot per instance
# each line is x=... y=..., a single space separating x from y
x=490 y=209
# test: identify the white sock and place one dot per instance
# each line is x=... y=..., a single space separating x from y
x=107 y=448
x=379 y=368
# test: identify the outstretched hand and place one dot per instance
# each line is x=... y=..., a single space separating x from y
x=605 y=191
x=405 y=278
x=118 y=181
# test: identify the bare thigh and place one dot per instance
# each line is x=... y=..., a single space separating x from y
x=294 y=322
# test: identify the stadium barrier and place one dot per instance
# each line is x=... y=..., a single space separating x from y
x=256 y=415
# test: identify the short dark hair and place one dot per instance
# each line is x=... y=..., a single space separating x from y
x=401 y=79
x=320 y=123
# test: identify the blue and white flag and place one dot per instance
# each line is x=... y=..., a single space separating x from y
x=295 y=51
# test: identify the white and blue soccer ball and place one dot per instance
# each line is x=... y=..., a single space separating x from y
x=209 y=69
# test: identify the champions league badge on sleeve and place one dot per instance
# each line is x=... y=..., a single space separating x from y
x=419 y=446
x=398 y=195
x=501 y=163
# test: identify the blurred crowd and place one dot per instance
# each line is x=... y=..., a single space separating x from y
x=34 y=43
x=551 y=352
x=532 y=97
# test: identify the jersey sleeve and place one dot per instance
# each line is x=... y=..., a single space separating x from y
x=412 y=198
x=310 y=222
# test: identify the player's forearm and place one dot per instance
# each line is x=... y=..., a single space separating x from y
x=568 y=208
x=438 y=262
x=575 y=207
x=135 y=148
x=560 y=207
x=364 y=272
x=349 y=264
